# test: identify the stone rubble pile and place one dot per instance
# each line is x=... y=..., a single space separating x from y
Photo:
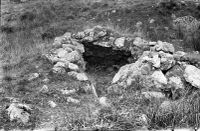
x=68 y=49
x=161 y=67
x=158 y=65
x=67 y=56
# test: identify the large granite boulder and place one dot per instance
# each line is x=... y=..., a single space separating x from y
x=125 y=76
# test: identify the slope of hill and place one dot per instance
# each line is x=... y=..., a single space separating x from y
x=56 y=101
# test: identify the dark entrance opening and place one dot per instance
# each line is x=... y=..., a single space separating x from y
x=104 y=58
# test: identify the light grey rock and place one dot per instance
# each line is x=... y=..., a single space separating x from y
x=164 y=46
x=73 y=67
x=159 y=78
x=67 y=47
x=176 y=82
x=192 y=75
x=2 y=90
x=78 y=76
x=67 y=35
x=33 y=76
x=61 y=53
x=125 y=71
x=82 y=77
x=80 y=35
x=18 y=111
x=44 y=89
x=52 y=57
x=104 y=102
x=151 y=21
x=88 y=39
x=77 y=46
x=146 y=69
x=58 y=41
x=138 y=24
x=101 y=34
x=59 y=70
x=52 y=104
x=140 y=42
x=143 y=120
x=167 y=61
x=68 y=92
x=153 y=57
x=113 y=11
x=178 y=55
x=153 y=94
x=60 y=64
x=73 y=56
x=166 y=107
x=176 y=71
x=89 y=32
x=72 y=100
x=119 y=42
x=103 y=44
x=128 y=74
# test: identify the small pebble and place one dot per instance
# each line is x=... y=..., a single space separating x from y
x=68 y=92
x=46 y=80
x=166 y=28
x=33 y=76
x=113 y=11
x=104 y=101
x=151 y=21
x=72 y=100
x=118 y=20
x=44 y=89
x=52 y=104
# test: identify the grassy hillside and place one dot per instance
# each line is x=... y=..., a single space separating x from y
x=28 y=30
x=33 y=23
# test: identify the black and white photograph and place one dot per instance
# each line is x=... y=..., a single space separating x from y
x=100 y=65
